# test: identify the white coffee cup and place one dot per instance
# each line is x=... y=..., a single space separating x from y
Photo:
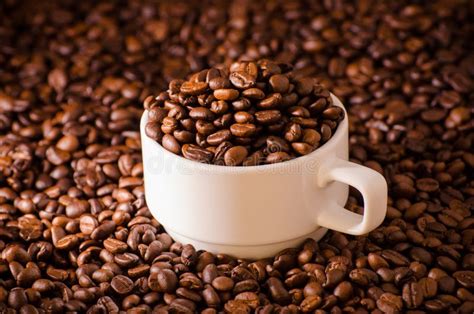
x=254 y=212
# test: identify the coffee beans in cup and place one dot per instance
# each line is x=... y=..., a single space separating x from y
x=248 y=114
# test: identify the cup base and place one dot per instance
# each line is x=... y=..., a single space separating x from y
x=253 y=252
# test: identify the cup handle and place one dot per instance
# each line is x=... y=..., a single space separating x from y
x=369 y=182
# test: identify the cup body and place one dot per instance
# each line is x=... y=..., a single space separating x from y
x=249 y=212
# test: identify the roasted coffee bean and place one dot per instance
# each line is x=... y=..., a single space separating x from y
x=191 y=281
x=211 y=297
x=87 y=224
x=126 y=259
x=242 y=79
x=77 y=208
x=278 y=292
x=276 y=144
x=193 y=88
x=253 y=93
x=26 y=276
x=163 y=280
x=17 y=298
x=307 y=122
x=293 y=132
x=311 y=303
x=246 y=285
x=180 y=305
x=333 y=113
x=428 y=286
x=299 y=111
x=223 y=283
x=218 y=137
x=326 y=132
x=318 y=106
x=395 y=258
x=467 y=307
x=188 y=294
x=280 y=83
x=270 y=102
x=219 y=107
x=436 y=305
x=122 y=284
x=302 y=148
x=427 y=184
x=169 y=125
x=57 y=156
x=390 y=303
x=227 y=94
x=103 y=230
x=115 y=246
x=241 y=104
x=313 y=288
x=219 y=83
x=243 y=130
x=209 y=273
x=304 y=86
x=277 y=157
x=343 y=291
x=241 y=273
x=102 y=275
x=234 y=306
x=243 y=117
x=188 y=255
x=68 y=143
x=311 y=137
x=363 y=276
x=255 y=159
x=153 y=130
x=249 y=298
x=157 y=114
x=415 y=210
x=412 y=295
x=183 y=136
x=170 y=143
x=465 y=278
x=223 y=121
x=197 y=153
x=220 y=152
x=205 y=128
x=334 y=276
x=235 y=155
x=201 y=113
x=268 y=116
x=67 y=243
x=178 y=113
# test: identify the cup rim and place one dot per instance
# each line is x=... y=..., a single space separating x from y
x=329 y=145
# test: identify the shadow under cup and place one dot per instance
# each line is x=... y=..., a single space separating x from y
x=248 y=212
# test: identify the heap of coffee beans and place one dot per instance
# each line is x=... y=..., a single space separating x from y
x=249 y=114
x=75 y=231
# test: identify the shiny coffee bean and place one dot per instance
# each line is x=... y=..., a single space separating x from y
x=235 y=155
x=196 y=153
x=193 y=88
x=226 y=94
x=122 y=284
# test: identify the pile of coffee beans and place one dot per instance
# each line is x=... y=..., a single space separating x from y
x=75 y=231
x=250 y=114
